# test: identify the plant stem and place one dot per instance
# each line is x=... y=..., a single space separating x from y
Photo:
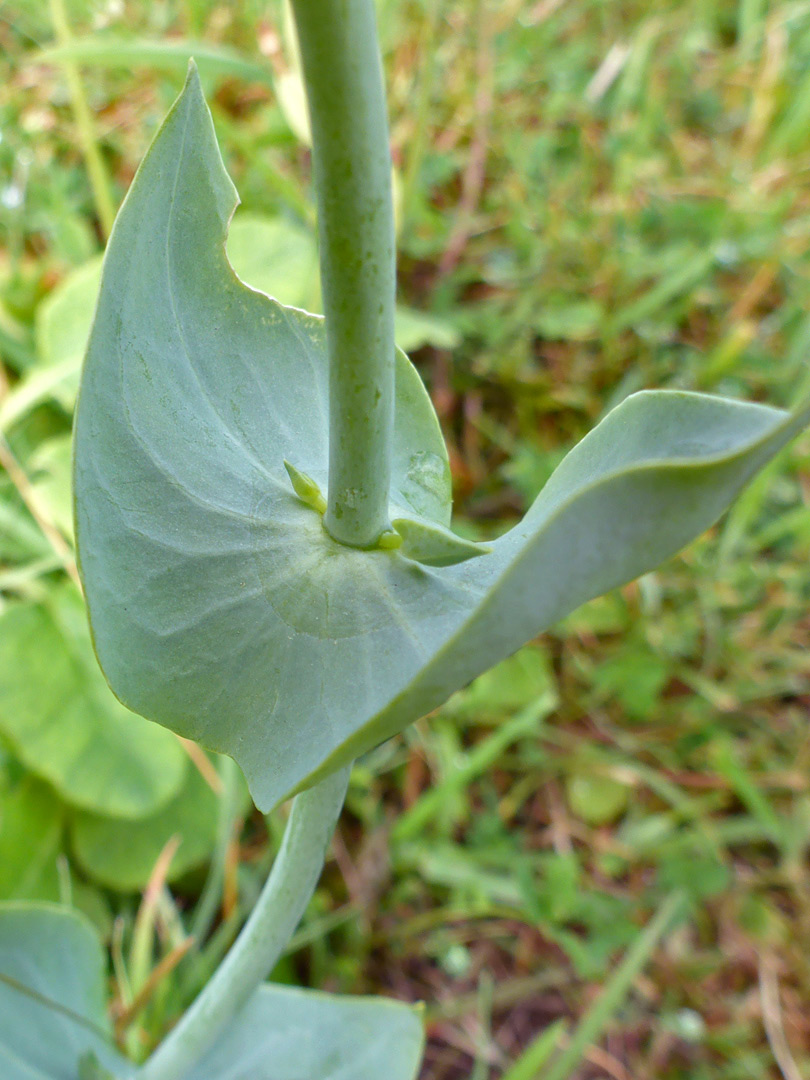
x=85 y=126
x=352 y=169
x=282 y=902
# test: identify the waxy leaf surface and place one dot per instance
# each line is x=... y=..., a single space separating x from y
x=267 y=253
x=53 y=1023
x=285 y=1033
x=219 y=605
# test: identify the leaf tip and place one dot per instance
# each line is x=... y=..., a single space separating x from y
x=433 y=545
x=193 y=83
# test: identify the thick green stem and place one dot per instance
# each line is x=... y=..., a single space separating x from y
x=289 y=887
x=352 y=169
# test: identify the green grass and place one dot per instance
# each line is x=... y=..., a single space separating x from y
x=585 y=238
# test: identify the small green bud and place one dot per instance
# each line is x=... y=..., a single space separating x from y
x=390 y=540
x=305 y=488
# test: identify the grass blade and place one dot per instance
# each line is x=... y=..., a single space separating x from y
x=172 y=55
x=477 y=761
x=536 y=1054
x=618 y=987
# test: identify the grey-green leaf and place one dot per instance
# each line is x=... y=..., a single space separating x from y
x=433 y=545
x=289 y=1034
x=53 y=1023
x=66 y=726
x=268 y=253
x=219 y=604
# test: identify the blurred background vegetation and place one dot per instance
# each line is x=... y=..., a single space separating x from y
x=594 y=196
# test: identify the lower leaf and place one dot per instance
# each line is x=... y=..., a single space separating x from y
x=220 y=605
x=53 y=1024
x=286 y=1033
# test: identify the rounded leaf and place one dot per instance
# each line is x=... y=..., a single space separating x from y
x=122 y=854
x=64 y=724
x=220 y=606
x=285 y=1033
x=53 y=1022
x=31 y=826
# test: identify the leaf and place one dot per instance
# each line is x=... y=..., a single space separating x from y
x=291 y=93
x=107 y=50
x=432 y=545
x=595 y=798
x=50 y=468
x=20 y=537
x=62 y=317
x=526 y=676
x=699 y=876
x=62 y=326
x=268 y=253
x=285 y=1033
x=276 y=256
x=30 y=840
x=63 y=321
x=122 y=854
x=538 y=1052
x=636 y=676
x=292 y=100
x=415 y=329
x=57 y=382
x=52 y=1009
x=66 y=726
x=91 y=1069
x=220 y=606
